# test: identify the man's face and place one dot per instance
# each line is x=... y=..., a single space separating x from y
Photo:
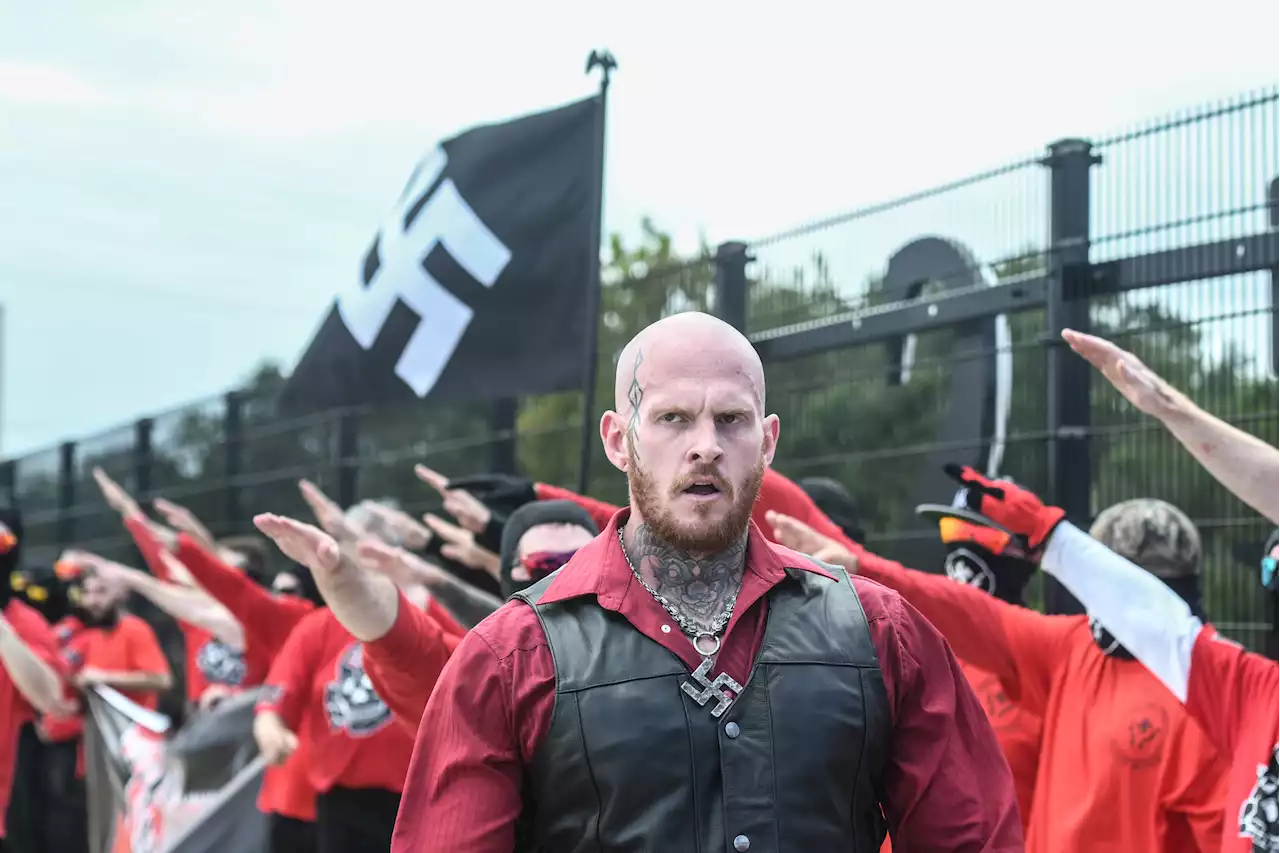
x=98 y=597
x=696 y=457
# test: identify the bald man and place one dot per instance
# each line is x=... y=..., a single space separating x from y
x=683 y=684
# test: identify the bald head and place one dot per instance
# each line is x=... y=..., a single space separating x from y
x=690 y=345
x=690 y=431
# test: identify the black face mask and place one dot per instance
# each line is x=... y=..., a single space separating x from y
x=1188 y=588
x=1000 y=576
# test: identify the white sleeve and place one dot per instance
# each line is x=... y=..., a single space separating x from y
x=1149 y=619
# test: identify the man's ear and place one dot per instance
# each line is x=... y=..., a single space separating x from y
x=613 y=435
x=771 y=430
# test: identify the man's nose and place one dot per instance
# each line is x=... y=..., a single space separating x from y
x=706 y=442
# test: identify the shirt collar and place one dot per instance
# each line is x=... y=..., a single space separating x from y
x=600 y=567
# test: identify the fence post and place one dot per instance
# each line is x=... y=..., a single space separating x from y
x=348 y=457
x=502 y=459
x=66 y=527
x=731 y=283
x=142 y=430
x=1067 y=307
x=1273 y=219
x=233 y=430
x=9 y=482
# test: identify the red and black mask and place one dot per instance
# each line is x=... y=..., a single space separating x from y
x=985 y=559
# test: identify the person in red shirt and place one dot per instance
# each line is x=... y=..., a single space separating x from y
x=268 y=619
x=100 y=645
x=31 y=671
x=319 y=685
x=1122 y=767
x=404 y=644
x=358 y=755
x=1233 y=694
x=213 y=661
x=987 y=560
x=613 y=705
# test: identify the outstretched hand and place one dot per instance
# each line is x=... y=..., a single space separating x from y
x=1139 y=384
x=461 y=504
x=460 y=545
x=364 y=602
x=182 y=519
x=798 y=536
x=117 y=498
x=302 y=543
x=327 y=513
x=1020 y=511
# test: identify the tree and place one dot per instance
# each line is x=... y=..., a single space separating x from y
x=841 y=415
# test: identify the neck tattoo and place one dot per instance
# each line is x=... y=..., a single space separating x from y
x=700 y=595
x=699 y=590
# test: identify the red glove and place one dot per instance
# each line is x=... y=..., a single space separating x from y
x=1009 y=505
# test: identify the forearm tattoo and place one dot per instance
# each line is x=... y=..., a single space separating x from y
x=698 y=589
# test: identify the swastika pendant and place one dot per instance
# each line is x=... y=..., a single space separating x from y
x=711 y=688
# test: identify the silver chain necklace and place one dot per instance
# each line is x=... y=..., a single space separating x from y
x=706 y=688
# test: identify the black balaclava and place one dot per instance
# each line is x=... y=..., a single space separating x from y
x=307 y=588
x=1000 y=575
x=1158 y=537
x=42 y=589
x=835 y=501
x=530 y=516
x=10 y=551
x=982 y=557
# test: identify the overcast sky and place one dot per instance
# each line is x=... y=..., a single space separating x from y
x=184 y=186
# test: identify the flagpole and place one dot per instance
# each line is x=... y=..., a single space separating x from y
x=603 y=60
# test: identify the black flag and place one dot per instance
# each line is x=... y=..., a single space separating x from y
x=477 y=283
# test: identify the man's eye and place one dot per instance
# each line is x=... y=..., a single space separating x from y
x=729 y=419
x=669 y=417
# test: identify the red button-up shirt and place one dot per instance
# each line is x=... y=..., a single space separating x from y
x=947 y=786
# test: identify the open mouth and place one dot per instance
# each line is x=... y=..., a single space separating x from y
x=702 y=490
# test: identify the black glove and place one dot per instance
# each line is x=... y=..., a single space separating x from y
x=505 y=490
x=491 y=537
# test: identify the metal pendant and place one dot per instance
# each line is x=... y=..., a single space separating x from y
x=711 y=688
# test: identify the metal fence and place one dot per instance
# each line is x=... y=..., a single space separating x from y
x=895 y=338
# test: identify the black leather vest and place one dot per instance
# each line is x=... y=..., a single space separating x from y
x=631 y=763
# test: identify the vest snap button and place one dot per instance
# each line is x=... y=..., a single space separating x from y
x=741 y=843
x=732 y=730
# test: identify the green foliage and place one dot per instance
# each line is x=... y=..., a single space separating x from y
x=841 y=417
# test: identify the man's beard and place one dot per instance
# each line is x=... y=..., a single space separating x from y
x=107 y=619
x=692 y=536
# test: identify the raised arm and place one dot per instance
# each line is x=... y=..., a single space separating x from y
x=29 y=652
x=191 y=606
x=1017 y=645
x=1247 y=466
x=265 y=618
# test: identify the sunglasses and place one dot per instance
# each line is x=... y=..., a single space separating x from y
x=542 y=563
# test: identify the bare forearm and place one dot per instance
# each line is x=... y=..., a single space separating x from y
x=190 y=606
x=1247 y=466
x=34 y=678
x=157 y=681
x=365 y=603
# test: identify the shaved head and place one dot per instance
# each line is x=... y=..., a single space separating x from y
x=689 y=429
x=685 y=341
